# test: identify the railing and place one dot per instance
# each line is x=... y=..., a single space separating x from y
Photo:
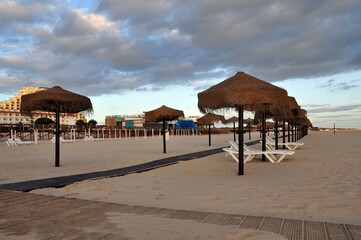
x=46 y=132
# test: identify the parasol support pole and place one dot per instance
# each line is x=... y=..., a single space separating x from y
x=276 y=134
x=209 y=134
x=289 y=130
x=293 y=133
x=57 y=137
x=234 y=131
x=164 y=142
x=264 y=135
x=284 y=133
x=240 y=141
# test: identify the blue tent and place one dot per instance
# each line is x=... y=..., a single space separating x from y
x=185 y=124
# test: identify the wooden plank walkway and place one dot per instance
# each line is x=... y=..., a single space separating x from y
x=46 y=217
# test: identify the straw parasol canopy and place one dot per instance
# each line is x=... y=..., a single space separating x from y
x=268 y=124
x=294 y=107
x=244 y=92
x=302 y=114
x=248 y=121
x=163 y=114
x=55 y=100
x=209 y=119
x=232 y=120
x=307 y=122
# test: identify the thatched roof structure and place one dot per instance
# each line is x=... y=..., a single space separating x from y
x=302 y=119
x=55 y=100
x=294 y=107
x=232 y=120
x=163 y=113
x=210 y=118
x=268 y=124
x=248 y=120
x=306 y=122
x=243 y=90
x=235 y=119
x=49 y=100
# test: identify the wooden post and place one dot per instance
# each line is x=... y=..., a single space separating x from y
x=240 y=141
x=164 y=142
x=209 y=134
x=234 y=131
x=57 y=138
x=276 y=134
x=264 y=135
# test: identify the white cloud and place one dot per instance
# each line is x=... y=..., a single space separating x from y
x=174 y=42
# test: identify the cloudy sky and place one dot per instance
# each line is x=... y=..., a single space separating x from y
x=131 y=56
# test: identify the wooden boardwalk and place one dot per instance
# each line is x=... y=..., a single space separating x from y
x=46 y=217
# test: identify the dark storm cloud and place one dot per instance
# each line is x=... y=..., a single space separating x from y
x=146 y=45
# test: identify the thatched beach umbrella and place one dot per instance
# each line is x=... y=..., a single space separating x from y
x=249 y=121
x=243 y=92
x=163 y=114
x=209 y=119
x=293 y=113
x=233 y=120
x=55 y=100
x=298 y=121
x=265 y=126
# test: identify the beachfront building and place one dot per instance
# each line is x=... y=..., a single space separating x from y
x=10 y=111
x=193 y=118
x=138 y=121
x=125 y=121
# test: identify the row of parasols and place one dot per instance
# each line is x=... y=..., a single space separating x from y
x=240 y=92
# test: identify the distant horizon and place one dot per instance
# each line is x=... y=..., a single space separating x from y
x=101 y=121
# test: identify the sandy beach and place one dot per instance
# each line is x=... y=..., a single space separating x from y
x=320 y=182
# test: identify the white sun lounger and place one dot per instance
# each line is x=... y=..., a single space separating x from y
x=11 y=142
x=248 y=156
x=274 y=156
x=62 y=140
x=270 y=144
x=92 y=139
x=95 y=139
x=18 y=141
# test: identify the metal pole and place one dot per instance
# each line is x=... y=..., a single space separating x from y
x=164 y=146
x=334 y=128
x=57 y=138
x=276 y=134
x=209 y=134
x=264 y=135
x=240 y=141
x=288 y=130
x=234 y=131
x=284 y=133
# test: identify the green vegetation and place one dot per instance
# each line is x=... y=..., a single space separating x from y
x=43 y=120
